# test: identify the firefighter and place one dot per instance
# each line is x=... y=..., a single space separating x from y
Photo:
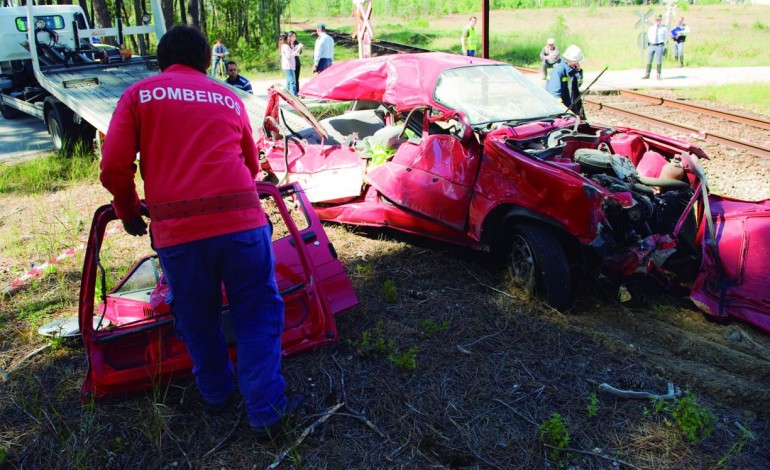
x=566 y=78
x=198 y=163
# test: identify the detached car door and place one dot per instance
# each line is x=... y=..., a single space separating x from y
x=130 y=339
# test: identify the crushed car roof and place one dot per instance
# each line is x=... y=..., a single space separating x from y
x=404 y=80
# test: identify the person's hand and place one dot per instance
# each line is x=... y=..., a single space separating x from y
x=315 y=68
x=136 y=226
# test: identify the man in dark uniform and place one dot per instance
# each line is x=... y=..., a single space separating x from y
x=566 y=78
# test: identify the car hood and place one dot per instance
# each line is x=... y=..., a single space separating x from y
x=402 y=80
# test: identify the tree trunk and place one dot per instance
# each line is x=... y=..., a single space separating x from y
x=84 y=5
x=102 y=17
x=182 y=12
x=192 y=14
x=168 y=12
x=204 y=23
x=138 y=11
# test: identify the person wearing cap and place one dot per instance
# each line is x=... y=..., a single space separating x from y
x=679 y=35
x=550 y=56
x=323 y=55
x=657 y=36
x=566 y=78
x=468 y=38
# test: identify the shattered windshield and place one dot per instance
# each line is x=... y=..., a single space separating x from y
x=493 y=93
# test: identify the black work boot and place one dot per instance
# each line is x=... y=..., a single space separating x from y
x=267 y=433
x=217 y=409
x=647 y=73
x=659 y=67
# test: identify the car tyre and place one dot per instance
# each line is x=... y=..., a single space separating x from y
x=539 y=265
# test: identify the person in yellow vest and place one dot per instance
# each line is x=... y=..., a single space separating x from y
x=468 y=38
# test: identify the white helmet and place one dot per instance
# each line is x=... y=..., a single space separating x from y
x=573 y=54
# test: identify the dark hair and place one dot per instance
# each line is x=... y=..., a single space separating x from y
x=184 y=45
x=230 y=62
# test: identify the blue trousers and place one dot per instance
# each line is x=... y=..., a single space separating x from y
x=323 y=64
x=291 y=81
x=245 y=263
x=215 y=62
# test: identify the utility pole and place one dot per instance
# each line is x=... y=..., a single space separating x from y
x=485 y=29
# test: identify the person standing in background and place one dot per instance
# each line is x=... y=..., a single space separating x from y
x=566 y=78
x=468 y=39
x=288 y=55
x=679 y=35
x=657 y=36
x=219 y=54
x=323 y=55
x=550 y=56
x=297 y=46
x=235 y=79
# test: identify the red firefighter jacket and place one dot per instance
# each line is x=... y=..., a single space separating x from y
x=195 y=143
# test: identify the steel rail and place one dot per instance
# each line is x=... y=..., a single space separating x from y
x=709 y=136
x=728 y=116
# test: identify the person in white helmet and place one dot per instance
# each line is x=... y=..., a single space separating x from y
x=566 y=78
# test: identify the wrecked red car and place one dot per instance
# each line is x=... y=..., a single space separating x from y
x=129 y=337
x=472 y=152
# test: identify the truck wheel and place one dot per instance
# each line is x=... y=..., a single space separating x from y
x=64 y=133
x=539 y=265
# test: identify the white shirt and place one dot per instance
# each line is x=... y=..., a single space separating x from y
x=657 y=34
x=324 y=48
x=287 y=57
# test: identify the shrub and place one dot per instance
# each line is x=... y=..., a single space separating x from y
x=553 y=432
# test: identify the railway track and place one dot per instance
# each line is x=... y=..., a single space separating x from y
x=380 y=47
x=727 y=116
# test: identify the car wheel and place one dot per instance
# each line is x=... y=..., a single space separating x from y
x=538 y=264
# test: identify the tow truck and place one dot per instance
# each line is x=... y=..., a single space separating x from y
x=54 y=66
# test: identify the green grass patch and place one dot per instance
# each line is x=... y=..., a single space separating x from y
x=720 y=37
x=47 y=174
x=752 y=96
